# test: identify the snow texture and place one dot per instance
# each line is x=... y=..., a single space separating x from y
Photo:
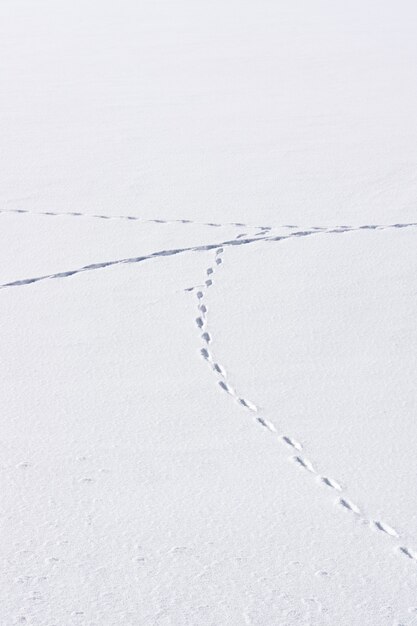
x=208 y=266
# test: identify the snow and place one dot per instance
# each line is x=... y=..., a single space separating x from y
x=208 y=304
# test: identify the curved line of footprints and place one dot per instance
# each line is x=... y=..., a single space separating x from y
x=298 y=457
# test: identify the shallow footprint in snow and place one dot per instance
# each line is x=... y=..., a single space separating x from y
x=248 y=404
x=305 y=463
x=291 y=442
x=385 y=528
x=330 y=483
x=347 y=504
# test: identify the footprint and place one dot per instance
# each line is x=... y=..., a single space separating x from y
x=385 y=528
x=226 y=387
x=330 y=483
x=347 y=504
x=305 y=463
x=291 y=442
x=267 y=424
x=248 y=404
x=408 y=553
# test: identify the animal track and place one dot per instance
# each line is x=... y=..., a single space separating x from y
x=248 y=404
x=408 y=553
x=227 y=388
x=267 y=424
x=134 y=218
x=303 y=462
x=330 y=483
x=201 y=248
x=263 y=234
x=350 y=506
x=292 y=442
x=385 y=528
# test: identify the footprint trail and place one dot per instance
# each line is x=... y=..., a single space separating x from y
x=290 y=442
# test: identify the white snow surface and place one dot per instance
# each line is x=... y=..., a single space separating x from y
x=208 y=285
